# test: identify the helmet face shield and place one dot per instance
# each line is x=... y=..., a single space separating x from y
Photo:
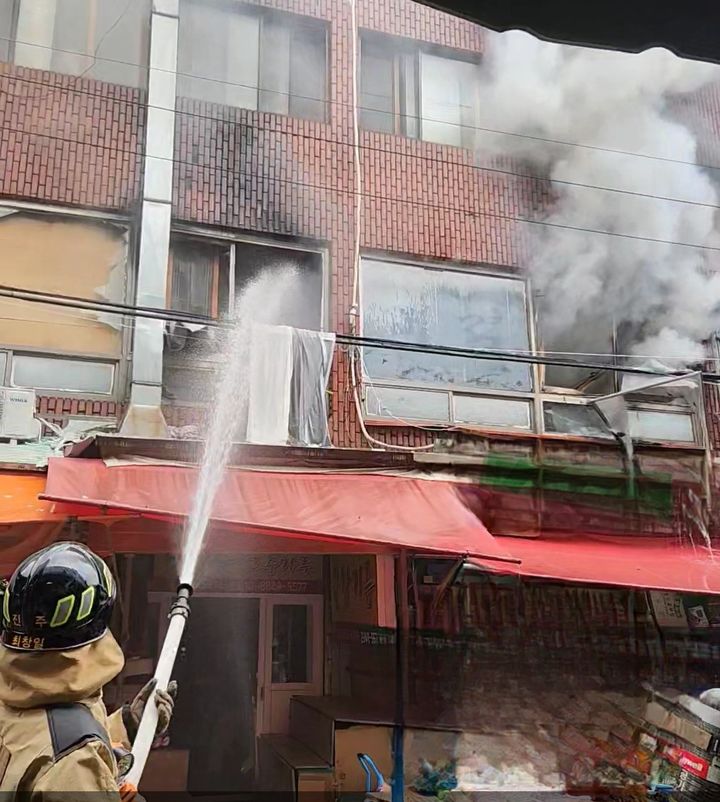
x=59 y=598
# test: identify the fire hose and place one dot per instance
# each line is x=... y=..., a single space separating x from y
x=147 y=728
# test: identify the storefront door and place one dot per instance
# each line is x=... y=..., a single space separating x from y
x=289 y=657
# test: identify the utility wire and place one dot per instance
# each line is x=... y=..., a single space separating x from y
x=57 y=299
x=83 y=320
x=341 y=103
x=383 y=198
x=546 y=181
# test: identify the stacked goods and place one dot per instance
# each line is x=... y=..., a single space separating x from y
x=684 y=734
x=534 y=741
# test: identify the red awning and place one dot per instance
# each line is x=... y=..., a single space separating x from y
x=385 y=511
x=638 y=562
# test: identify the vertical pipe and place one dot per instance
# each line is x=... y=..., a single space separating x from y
x=401 y=675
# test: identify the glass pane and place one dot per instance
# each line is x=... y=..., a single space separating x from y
x=275 y=65
x=398 y=402
x=192 y=278
x=69 y=375
x=578 y=419
x=290 y=644
x=377 y=103
x=448 y=99
x=444 y=308
x=213 y=66
x=3 y=366
x=492 y=411
x=97 y=39
x=308 y=79
x=6 y=26
x=647 y=425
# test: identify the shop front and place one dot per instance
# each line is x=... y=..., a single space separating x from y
x=346 y=612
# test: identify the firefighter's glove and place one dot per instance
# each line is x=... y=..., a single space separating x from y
x=165 y=701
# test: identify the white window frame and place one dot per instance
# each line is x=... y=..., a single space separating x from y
x=537 y=396
x=120 y=365
x=453 y=390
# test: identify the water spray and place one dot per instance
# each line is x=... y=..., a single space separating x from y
x=147 y=729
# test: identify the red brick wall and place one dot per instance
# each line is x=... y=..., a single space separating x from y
x=67 y=140
x=262 y=172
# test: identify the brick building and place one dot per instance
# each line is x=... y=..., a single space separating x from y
x=233 y=156
x=167 y=154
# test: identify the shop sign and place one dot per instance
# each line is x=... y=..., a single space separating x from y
x=669 y=609
x=687 y=761
x=264 y=573
x=353 y=589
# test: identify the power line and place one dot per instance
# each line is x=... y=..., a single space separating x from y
x=382 y=198
x=341 y=103
x=480 y=168
x=154 y=313
x=216 y=323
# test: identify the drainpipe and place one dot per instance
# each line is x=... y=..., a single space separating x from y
x=144 y=417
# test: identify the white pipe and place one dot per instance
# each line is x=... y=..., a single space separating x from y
x=148 y=724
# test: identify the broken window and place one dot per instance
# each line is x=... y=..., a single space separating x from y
x=62 y=255
x=93 y=38
x=209 y=278
x=417 y=91
x=578 y=419
x=259 y=59
x=444 y=308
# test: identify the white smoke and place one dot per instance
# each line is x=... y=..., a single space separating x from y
x=664 y=297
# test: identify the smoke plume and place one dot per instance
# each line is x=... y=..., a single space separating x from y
x=663 y=299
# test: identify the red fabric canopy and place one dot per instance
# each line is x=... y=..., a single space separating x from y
x=638 y=562
x=386 y=511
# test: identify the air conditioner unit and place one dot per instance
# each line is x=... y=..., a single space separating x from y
x=17 y=415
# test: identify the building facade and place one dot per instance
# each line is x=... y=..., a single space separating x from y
x=183 y=174
x=317 y=160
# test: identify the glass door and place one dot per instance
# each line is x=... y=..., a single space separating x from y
x=290 y=657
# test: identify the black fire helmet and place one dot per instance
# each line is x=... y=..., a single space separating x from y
x=61 y=597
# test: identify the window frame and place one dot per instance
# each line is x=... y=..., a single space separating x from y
x=537 y=396
x=229 y=239
x=262 y=14
x=453 y=390
x=92 y=40
x=121 y=372
x=402 y=48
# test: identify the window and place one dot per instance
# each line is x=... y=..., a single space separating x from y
x=447 y=307
x=206 y=277
x=464 y=308
x=418 y=92
x=258 y=59
x=93 y=38
x=657 y=425
x=63 y=375
x=290 y=644
x=54 y=347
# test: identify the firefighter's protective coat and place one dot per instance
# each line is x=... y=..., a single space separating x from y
x=31 y=680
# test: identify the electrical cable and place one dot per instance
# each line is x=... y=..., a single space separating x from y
x=383 y=198
x=550 y=182
x=329 y=102
x=58 y=299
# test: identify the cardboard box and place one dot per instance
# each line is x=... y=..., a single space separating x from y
x=664 y=719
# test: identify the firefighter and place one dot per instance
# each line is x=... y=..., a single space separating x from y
x=56 y=654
